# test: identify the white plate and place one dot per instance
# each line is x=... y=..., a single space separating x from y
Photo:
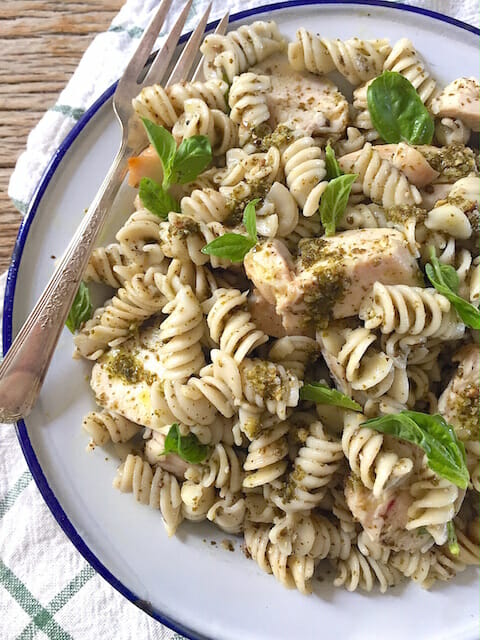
x=200 y=589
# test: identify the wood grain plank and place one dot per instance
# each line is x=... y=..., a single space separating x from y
x=42 y=42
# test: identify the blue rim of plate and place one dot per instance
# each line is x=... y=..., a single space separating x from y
x=22 y=434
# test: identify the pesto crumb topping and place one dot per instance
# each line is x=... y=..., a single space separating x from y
x=453 y=162
x=265 y=381
x=401 y=213
x=127 y=367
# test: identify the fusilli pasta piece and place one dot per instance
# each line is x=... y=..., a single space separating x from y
x=357 y=60
x=104 y=426
x=157 y=488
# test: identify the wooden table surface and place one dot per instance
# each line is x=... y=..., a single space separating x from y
x=42 y=42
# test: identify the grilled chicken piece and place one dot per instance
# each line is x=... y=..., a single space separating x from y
x=460 y=99
x=302 y=100
x=459 y=403
x=264 y=315
x=402 y=156
x=433 y=193
x=145 y=165
x=172 y=463
x=122 y=379
x=334 y=273
x=384 y=518
x=271 y=268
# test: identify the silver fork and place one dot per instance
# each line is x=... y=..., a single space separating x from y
x=23 y=370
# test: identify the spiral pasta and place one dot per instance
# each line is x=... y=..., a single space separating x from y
x=304 y=173
x=247 y=100
x=434 y=504
x=205 y=205
x=164 y=106
x=199 y=120
x=410 y=310
x=316 y=463
x=360 y=572
x=376 y=466
x=380 y=180
x=157 y=488
x=230 y=55
x=266 y=459
x=357 y=60
x=105 y=426
x=230 y=324
x=109 y=265
x=180 y=352
x=292 y=571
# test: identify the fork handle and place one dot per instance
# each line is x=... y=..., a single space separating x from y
x=25 y=365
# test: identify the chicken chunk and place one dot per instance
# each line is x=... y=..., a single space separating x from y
x=384 y=518
x=145 y=165
x=172 y=463
x=264 y=315
x=460 y=99
x=334 y=273
x=459 y=403
x=302 y=100
x=271 y=268
x=123 y=377
x=402 y=156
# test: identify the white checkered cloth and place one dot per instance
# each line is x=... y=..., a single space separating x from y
x=47 y=589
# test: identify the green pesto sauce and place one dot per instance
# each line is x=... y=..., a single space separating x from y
x=453 y=162
x=129 y=368
x=466 y=414
x=281 y=136
x=264 y=379
x=237 y=203
x=401 y=213
x=326 y=264
x=183 y=226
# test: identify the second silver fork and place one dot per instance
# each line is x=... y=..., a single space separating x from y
x=24 y=367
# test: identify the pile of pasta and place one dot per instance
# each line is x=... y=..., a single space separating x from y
x=188 y=339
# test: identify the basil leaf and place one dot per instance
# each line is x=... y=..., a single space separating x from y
x=192 y=157
x=187 y=447
x=331 y=164
x=452 y=539
x=320 y=393
x=445 y=453
x=164 y=144
x=81 y=309
x=397 y=111
x=442 y=279
x=250 y=219
x=232 y=246
x=156 y=199
x=334 y=201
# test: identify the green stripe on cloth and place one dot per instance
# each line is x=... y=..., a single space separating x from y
x=20 y=205
x=133 y=32
x=60 y=600
x=41 y=618
x=7 y=501
x=73 y=112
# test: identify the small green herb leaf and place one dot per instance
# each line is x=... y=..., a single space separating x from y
x=81 y=309
x=192 y=157
x=187 y=447
x=320 y=393
x=334 y=200
x=250 y=219
x=156 y=199
x=331 y=164
x=446 y=283
x=164 y=144
x=397 y=111
x=445 y=453
x=232 y=246
x=452 y=539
